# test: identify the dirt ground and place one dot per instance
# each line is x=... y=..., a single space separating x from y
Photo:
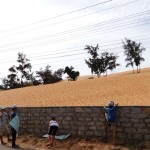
x=32 y=142
x=126 y=88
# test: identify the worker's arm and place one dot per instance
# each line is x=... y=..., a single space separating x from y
x=117 y=104
x=102 y=110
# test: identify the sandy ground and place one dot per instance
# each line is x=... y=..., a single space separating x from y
x=126 y=88
x=31 y=142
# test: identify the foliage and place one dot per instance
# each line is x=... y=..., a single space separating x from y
x=12 y=81
x=48 y=77
x=100 y=63
x=71 y=73
x=24 y=68
x=22 y=76
x=133 y=52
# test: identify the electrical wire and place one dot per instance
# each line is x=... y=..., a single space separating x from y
x=97 y=32
x=64 y=14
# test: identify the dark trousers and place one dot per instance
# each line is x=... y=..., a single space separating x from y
x=13 y=136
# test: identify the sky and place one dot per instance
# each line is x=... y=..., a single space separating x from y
x=55 y=32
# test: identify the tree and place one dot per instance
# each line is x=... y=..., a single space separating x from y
x=58 y=75
x=100 y=63
x=5 y=84
x=24 y=68
x=19 y=76
x=13 y=80
x=109 y=62
x=138 y=59
x=71 y=73
x=93 y=62
x=133 y=51
x=48 y=77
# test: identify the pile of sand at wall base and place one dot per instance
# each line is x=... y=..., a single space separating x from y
x=71 y=143
x=126 y=88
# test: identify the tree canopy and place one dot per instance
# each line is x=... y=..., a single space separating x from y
x=22 y=75
x=46 y=76
x=71 y=73
x=133 y=52
x=100 y=63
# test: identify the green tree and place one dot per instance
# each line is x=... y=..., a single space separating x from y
x=57 y=75
x=34 y=80
x=5 y=84
x=108 y=62
x=92 y=63
x=24 y=68
x=71 y=73
x=100 y=63
x=13 y=80
x=133 y=52
x=48 y=77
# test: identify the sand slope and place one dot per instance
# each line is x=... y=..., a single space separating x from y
x=124 y=88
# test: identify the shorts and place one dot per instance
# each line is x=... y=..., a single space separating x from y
x=53 y=130
x=4 y=128
x=112 y=125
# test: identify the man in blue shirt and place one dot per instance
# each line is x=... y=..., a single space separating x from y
x=111 y=117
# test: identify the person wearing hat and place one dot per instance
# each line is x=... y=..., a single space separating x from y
x=14 y=132
x=111 y=117
x=4 y=117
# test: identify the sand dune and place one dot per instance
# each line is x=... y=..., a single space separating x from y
x=126 y=88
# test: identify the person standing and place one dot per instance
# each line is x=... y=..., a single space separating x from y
x=14 y=132
x=53 y=128
x=4 y=117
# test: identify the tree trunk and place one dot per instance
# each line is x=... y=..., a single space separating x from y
x=106 y=74
x=133 y=69
x=98 y=75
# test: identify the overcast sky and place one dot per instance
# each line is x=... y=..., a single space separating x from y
x=55 y=32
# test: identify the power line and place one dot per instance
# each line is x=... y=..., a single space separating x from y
x=91 y=34
x=77 y=17
x=64 y=14
x=97 y=30
x=70 y=59
x=84 y=27
x=75 y=49
x=82 y=35
x=71 y=54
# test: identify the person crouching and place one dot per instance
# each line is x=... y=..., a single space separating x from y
x=53 y=128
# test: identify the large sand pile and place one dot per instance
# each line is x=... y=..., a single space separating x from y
x=124 y=88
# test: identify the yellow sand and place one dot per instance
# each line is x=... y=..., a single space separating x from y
x=126 y=88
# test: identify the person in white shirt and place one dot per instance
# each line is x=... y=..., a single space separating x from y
x=4 y=119
x=53 y=128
